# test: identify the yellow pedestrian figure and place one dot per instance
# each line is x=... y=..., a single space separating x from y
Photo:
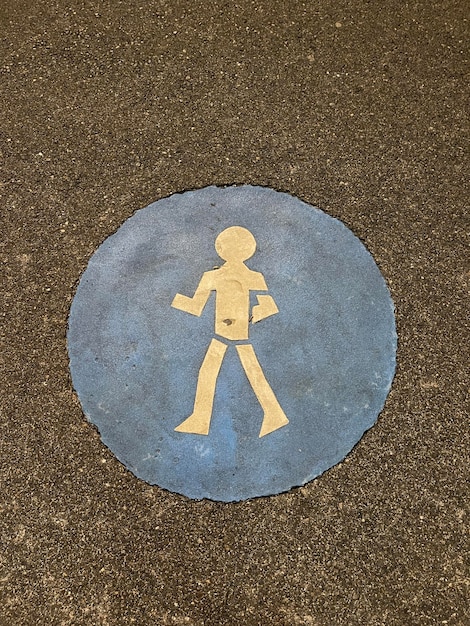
x=232 y=283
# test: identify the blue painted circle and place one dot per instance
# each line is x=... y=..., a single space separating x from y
x=328 y=355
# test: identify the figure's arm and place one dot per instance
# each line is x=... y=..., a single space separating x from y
x=265 y=307
x=196 y=304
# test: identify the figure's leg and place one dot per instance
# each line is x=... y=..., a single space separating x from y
x=199 y=421
x=274 y=416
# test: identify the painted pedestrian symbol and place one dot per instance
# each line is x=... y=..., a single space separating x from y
x=140 y=367
x=232 y=283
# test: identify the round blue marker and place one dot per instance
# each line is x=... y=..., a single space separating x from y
x=231 y=342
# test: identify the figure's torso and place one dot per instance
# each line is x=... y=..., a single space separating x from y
x=233 y=283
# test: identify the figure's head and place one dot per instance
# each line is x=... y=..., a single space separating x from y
x=235 y=244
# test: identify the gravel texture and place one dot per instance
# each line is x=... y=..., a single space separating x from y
x=355 y=107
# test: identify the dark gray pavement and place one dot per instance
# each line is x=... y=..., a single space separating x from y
x=356 y=107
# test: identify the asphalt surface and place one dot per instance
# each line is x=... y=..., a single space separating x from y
x=355 y=107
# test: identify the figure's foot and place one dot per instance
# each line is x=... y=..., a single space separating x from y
x=273 y=421
x=195 y=424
